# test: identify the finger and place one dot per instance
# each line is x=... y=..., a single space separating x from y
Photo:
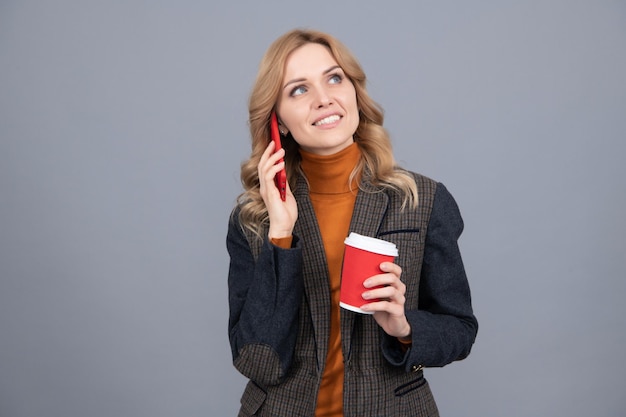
x=270 y=171
x=269 y=149
x=267 y=185
x=388 y=293
x=268 y=164
x=385 y=280
x=391 y=267
x=393 y=309
x=271 y=155
x=269 y=160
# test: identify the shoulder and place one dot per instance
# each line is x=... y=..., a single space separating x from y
x=434 y=198
x=426 y=186
x=445 y=209
x=416 y=175
x=435 y=202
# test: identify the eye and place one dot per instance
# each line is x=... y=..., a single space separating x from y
x=298 y=90
x=335 y=79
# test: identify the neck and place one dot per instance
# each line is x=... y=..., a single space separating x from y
x=330 y=174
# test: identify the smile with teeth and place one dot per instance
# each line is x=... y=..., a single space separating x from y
x=327 y=120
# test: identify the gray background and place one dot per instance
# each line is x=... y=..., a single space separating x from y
x=122 y=127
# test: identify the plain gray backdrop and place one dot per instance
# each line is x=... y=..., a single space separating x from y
x=122 y=129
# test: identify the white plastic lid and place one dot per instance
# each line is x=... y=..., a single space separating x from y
x=371 y=244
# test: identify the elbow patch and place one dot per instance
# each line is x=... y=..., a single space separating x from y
x=260 y=363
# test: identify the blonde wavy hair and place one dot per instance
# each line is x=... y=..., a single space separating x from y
x=377 y=159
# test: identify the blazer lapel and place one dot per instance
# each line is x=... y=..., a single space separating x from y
x=316 y=288
x=369 y=211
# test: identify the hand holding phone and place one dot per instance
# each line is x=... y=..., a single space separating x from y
x=281 y=177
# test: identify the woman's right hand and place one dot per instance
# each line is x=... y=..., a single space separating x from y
x=282 y=214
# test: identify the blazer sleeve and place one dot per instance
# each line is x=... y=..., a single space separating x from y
x=443 y=327
x=264 y=298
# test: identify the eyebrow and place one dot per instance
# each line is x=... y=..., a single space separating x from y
x=299 y=80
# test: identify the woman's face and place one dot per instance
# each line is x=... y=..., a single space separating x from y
x=317 y=103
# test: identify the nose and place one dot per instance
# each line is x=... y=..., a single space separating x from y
x=323 y=98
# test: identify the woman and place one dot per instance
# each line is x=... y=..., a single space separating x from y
x=303 y=354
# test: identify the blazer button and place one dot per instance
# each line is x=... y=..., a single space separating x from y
x=416 y=368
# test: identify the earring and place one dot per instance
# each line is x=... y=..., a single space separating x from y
x=282 y=131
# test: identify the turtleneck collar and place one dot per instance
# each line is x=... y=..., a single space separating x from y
x=330 y=174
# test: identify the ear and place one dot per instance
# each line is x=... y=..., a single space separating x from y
x=282 y=129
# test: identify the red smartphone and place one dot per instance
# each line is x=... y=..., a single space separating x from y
x=281 y=177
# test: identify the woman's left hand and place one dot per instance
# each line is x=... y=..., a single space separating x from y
x=389 y=310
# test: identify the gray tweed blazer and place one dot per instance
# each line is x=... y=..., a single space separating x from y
x=279 y=302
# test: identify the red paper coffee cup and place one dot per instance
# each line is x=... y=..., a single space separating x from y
x=361 y=260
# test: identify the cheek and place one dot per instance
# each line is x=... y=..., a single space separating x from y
x=289 y=112
x=350 y=100
x=296 y=119
x=354 y=109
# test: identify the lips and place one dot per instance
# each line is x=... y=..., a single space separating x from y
x=327 y=120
